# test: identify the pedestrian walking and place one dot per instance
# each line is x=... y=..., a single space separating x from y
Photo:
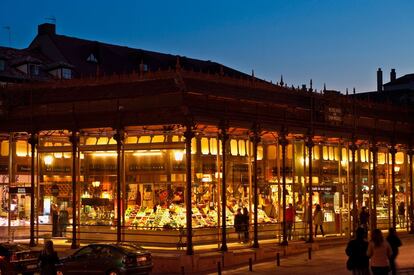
x=364 y=220
x=401 y=214
x=380 y=252
x=48 y=259
x=55 y=220
x=290 y=220
x=246 y=221
x=238 y=224
x=358 y=261
x=318 y=219
x=395 y=243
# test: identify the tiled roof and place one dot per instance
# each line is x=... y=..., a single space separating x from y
x=115 y=59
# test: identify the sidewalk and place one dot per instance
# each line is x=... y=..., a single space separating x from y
x=329 y=260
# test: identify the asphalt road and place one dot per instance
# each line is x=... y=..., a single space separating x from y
x=325 y=261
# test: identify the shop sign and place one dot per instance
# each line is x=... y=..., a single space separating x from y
x=23 y=168
x=20 y=190
x=58 y=169
x=323 y=188
x=333 y=114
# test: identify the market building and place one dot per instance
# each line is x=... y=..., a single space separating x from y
x=165 y=149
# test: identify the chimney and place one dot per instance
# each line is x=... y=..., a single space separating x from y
x=46 y=28
x=393 y=75
x=379 y=80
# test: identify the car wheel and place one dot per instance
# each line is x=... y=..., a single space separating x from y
x=112 y=272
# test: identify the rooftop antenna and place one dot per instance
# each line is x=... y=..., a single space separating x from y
x=8 y=29
x=51 y=19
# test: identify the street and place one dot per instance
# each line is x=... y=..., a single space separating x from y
x=324 y=261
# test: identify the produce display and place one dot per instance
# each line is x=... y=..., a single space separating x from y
x=174 y=217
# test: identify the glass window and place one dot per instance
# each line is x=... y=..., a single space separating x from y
x=2 y=64
x=325 y=153
x=259 y=152
x=90 y=141
x=92 y=58
x=242 y=147
x=21 y=148
x=399 y=158
x=34 y=69
x=213 y=146
x=158 y=138
x=205 y=150
x=233 y=147
x=103 y=141
x=5 y=148
x=194 y=146
x=66 y=73
x=381 y=158
x=271 y=152
x=144 y=139
x=131 y=140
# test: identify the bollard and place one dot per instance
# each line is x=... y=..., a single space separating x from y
x=218 y=268
x=278 y=259
x=182 y=270
x=310 y=253
x=250 y=264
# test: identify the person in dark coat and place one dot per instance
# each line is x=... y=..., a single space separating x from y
x=55 y=220
x=48 y=259
x=246 y=224
x=238 y=224
x=358 y=261
x=395 y=243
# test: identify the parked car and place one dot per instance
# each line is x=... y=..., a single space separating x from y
x=109 y=259
x=17 y=258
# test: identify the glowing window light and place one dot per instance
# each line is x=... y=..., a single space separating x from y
x=58 y=155
x=131 y=140
x=242 y=147
x=103 y=141
x=21 y=148
x=178 y=155
x=5 y=148
x=157 y=139
x=143 y=153
x=381 y=158
x=336 y=153
x=363 y=158
x=315 y=152
x=90 y=141
x=325 y=153
x=176 y=138
x=105 y=154
x=289 y=151
x=271 y=152
x=331 y=152
x=144 y=139
x=194 y=146
x=112 y=141
x=205 y=146
x=213 y=146
x=259 y=152
x=48 y=160
x=233 y=147
x=67 y=155
x=399 y=158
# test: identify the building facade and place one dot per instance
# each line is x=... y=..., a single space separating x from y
x=168 y=156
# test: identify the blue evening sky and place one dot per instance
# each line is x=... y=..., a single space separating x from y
x=338 y=42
